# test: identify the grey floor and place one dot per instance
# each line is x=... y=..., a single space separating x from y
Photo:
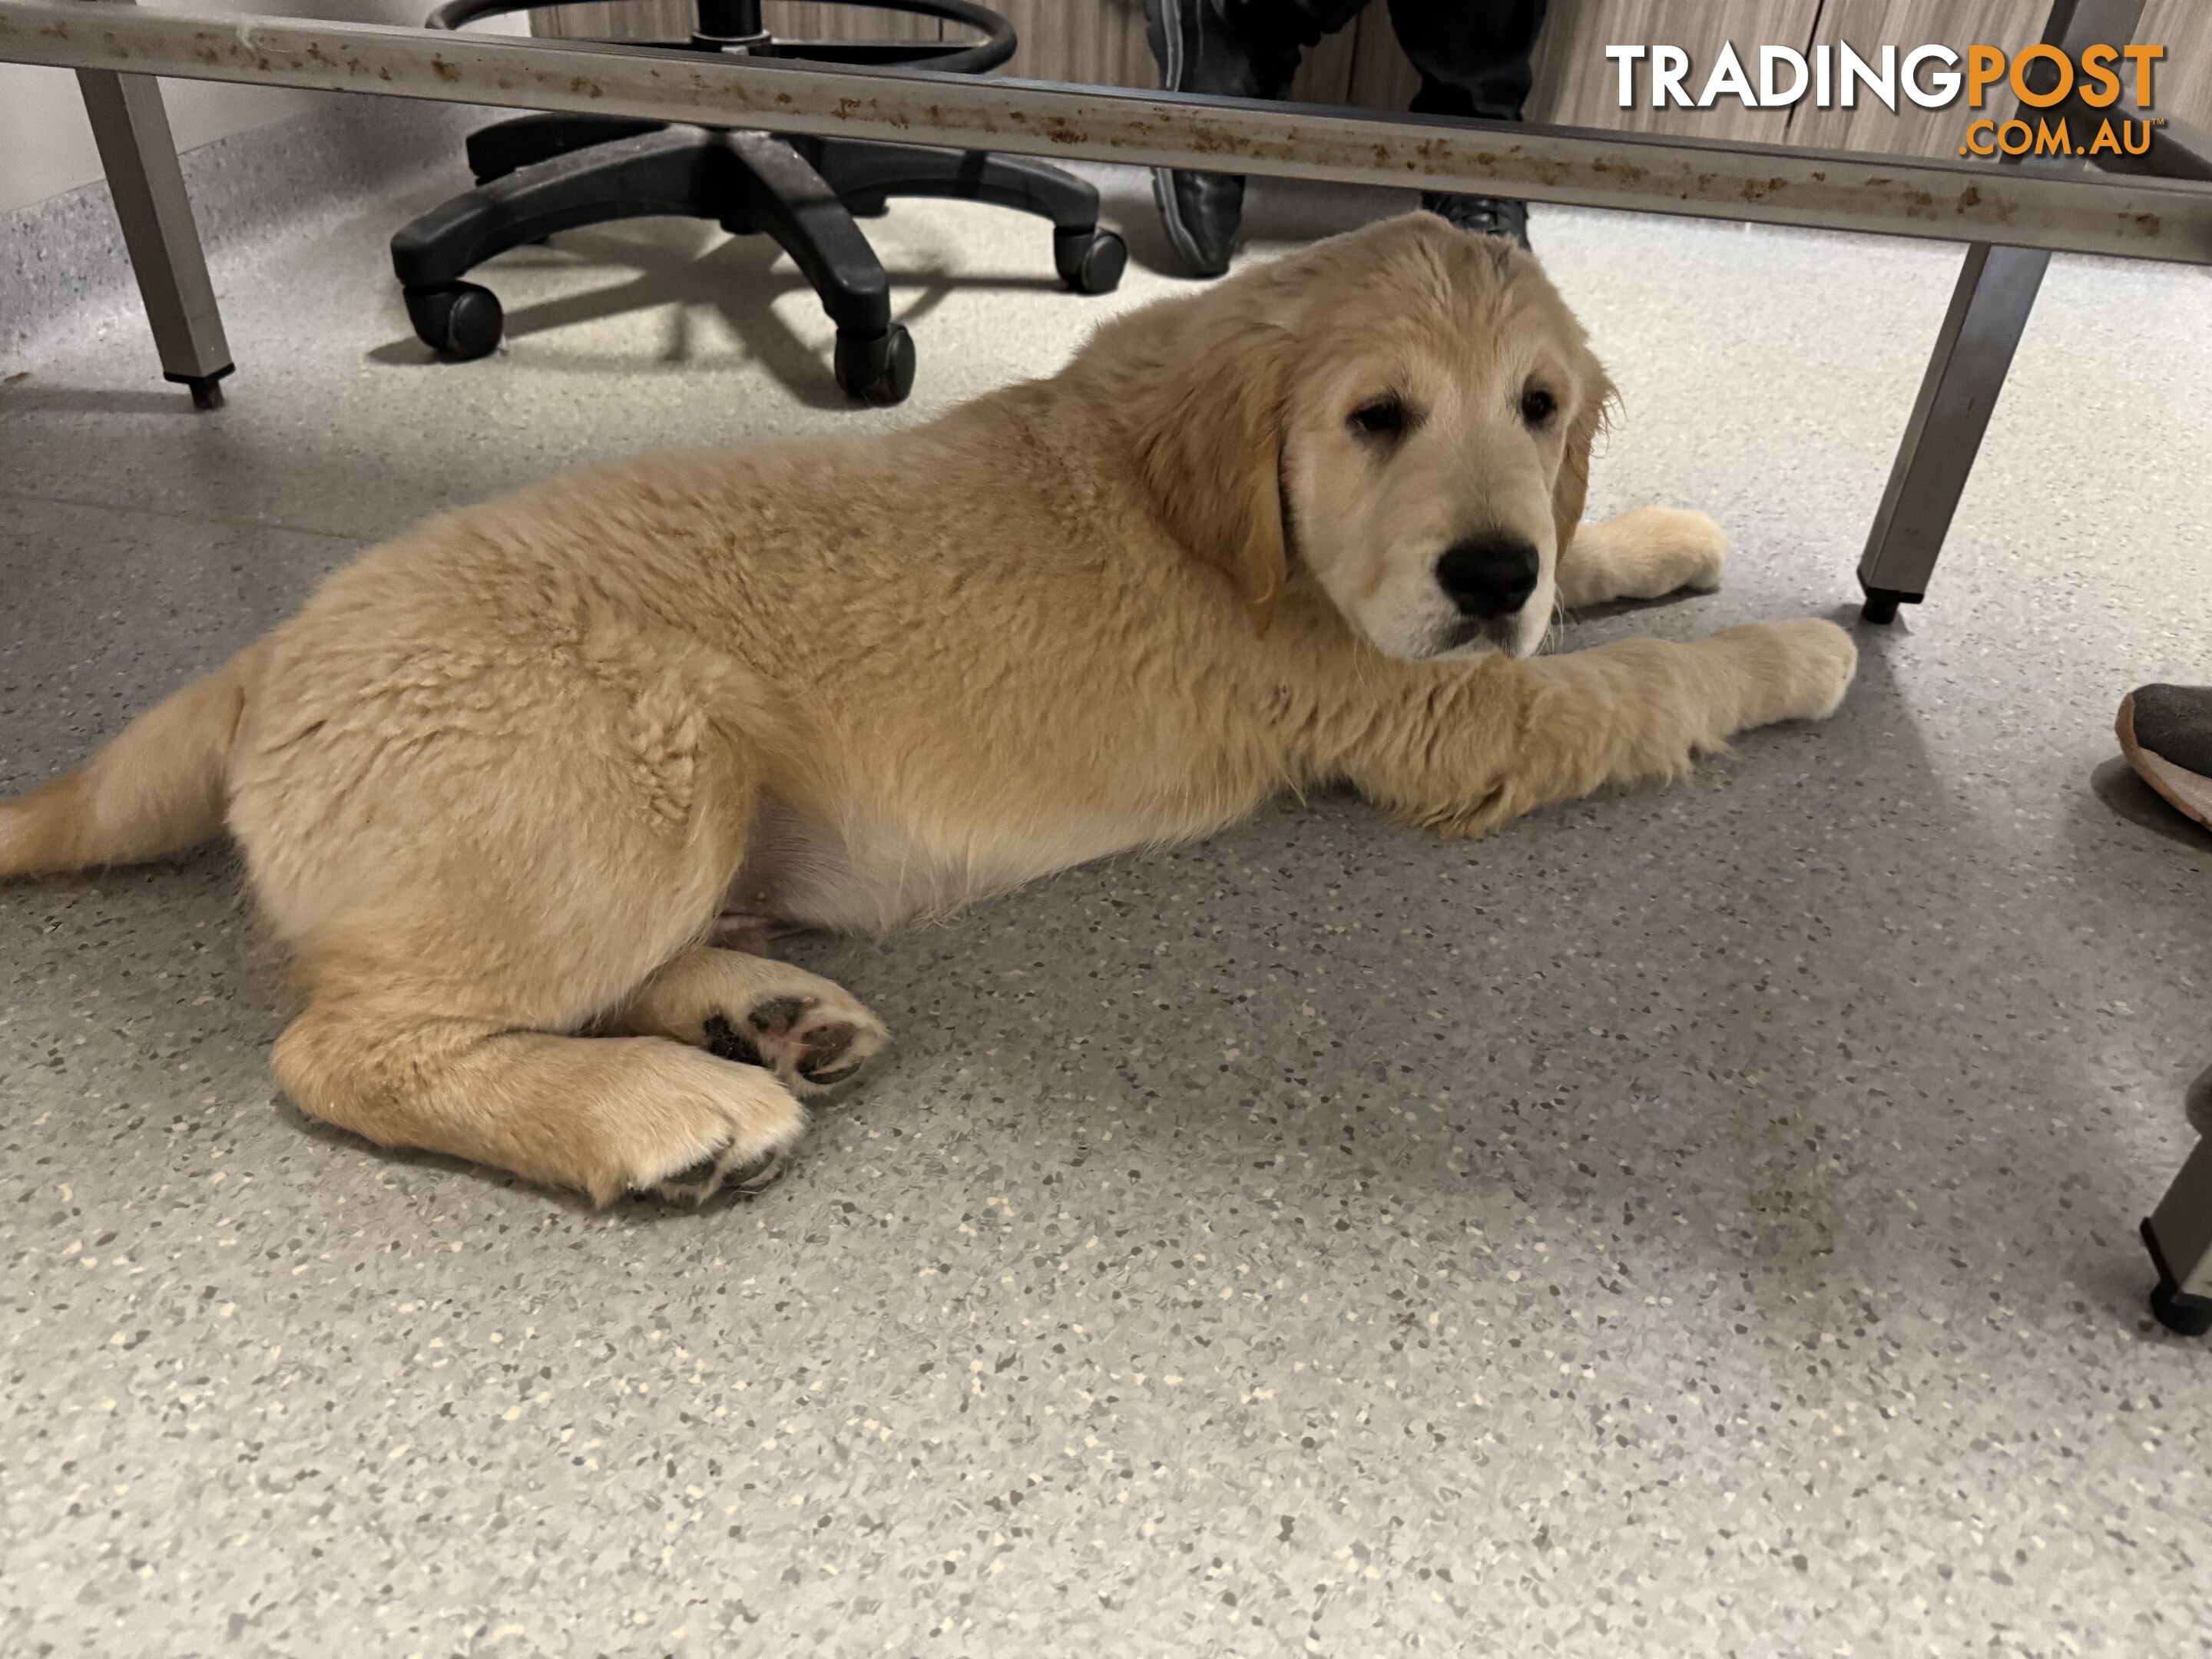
x=1690 y=1223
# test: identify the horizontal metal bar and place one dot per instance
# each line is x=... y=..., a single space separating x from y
x=2141 y=218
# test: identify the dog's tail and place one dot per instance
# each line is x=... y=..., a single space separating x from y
x=158 y=788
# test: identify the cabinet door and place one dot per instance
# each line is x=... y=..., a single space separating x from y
x=671 y=19
x=616 y=19
x=1868 y=25
x=1577 y=86
x=1101 y=43
x=2182 y=87
x=1095 y=42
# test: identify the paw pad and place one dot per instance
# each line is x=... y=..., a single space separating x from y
x=794 y=1036
x=725 y=1042
x=697 y=1181
x=776 y=1016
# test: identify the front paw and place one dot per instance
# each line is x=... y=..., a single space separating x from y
x=710 y=1126
x=1798 y=671
x=1667 y=550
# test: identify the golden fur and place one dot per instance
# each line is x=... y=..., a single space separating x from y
x=508 y=787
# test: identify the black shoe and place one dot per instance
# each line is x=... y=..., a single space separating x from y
x=1200 y=212
x=1482 y=216
x=2166 y=733
x=1201 y=49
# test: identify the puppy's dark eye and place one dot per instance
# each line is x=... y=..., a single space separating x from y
x=1385 y=418
x=1537 y=405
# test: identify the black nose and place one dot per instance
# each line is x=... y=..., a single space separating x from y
x=1488 y=576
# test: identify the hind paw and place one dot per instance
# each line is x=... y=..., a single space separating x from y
x=808 y=1031
x=809 y=1039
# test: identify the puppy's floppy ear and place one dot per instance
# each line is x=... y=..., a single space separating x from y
x=1205 y=404
x=1593 y=409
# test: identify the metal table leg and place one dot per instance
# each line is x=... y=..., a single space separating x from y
x=2179 y=1233
x=1973 y=353
x=140 y=155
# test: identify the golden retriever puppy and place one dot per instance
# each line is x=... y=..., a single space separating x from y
x=511 y=788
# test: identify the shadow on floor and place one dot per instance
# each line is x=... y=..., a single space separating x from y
x=685 y=267
x=29 y=396
x=2119 y=787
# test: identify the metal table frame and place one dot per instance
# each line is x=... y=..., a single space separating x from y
x=2012 y=217
x=2166 y=214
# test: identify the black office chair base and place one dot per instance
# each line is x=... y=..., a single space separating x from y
x=543 y=174
x=1090 y=261
x=461 y=320
x=879 y=370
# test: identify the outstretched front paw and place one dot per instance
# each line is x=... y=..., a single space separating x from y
x=1799 y=669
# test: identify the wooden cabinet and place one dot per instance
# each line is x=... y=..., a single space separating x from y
x=1579 y=86
x=1866 y=25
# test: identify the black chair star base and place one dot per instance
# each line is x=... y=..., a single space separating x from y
x=541 y=174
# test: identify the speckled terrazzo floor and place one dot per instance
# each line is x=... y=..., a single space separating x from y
x=1689 y=1224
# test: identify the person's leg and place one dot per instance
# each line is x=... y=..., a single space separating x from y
x=1233 y=49
x=1474 y=57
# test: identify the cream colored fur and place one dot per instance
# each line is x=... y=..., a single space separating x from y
x=496 y=783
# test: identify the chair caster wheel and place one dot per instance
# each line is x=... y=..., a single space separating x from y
x=461 y=322
x=1090 y=261
x=877 y=368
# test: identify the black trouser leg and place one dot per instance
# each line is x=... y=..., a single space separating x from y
x=1473 y=55
x=1302 y=23
x=1242 y=48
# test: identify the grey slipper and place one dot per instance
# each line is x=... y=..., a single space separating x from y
x=2166 y=731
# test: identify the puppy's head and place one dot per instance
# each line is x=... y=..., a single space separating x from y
x=1406 y=411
